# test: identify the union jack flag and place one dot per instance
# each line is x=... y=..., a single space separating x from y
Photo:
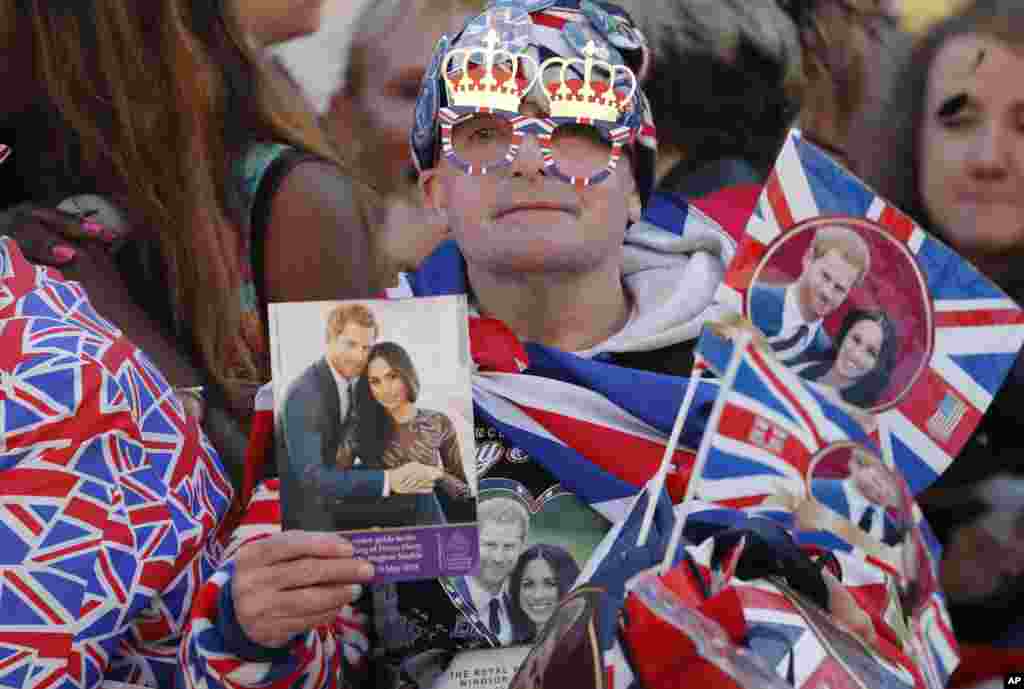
x=769 y=428
x=970 y=330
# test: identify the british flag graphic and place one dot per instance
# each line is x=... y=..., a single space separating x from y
x=768 y=430
x=111 y=501
x=771 y=626
x=958 y=343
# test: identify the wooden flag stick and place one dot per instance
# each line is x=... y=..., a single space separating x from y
x=658 y=482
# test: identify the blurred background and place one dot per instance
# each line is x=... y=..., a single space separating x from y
x=318 y=64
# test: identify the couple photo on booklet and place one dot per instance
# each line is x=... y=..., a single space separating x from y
x=374 y=420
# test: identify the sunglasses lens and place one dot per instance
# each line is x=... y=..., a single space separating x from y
x=482 y=140
x=580 y=150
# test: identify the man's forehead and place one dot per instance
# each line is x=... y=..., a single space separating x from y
x=498 y=529
x=355 y=331
x=834 y=258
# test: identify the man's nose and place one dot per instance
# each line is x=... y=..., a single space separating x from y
x=530 y=158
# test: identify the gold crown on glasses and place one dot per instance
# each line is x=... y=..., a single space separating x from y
x=494 y=84
x=584 y=97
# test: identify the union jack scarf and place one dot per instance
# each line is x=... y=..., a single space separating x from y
x=599 y=428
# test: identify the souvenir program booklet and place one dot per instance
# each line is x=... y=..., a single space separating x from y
x=373 y=428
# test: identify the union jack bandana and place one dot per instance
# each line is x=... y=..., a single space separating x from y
x=555 y=28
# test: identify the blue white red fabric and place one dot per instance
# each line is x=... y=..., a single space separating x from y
x=978 y=329
x=556 y=28
x=112 y=502
x=579 y=416
x=784 y=634
x=741 y=470
x=771 y=427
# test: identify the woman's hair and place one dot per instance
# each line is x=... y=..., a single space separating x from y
x=152 y=102
x=375 y=427
x=562 y=564
x=896 y=175
x=866 y=391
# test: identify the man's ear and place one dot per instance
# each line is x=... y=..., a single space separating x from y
x=435 y=195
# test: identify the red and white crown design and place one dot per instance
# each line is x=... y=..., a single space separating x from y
x=494 y=82
x=589 y=98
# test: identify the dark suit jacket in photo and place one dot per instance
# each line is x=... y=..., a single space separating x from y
x=833 y=494
x=310 y=431
x=767 y=304
x=462 y=587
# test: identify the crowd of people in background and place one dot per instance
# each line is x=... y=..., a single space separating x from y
x=169 y=175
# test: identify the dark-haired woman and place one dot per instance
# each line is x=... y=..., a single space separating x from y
x=392 y=430
x=864 y=358
x=541 y=578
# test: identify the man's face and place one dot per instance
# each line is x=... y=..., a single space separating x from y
x=380 y=113
x=519 y=220
x=500 y=545
x=874 y=483
x=825 y=283
x=347 y=353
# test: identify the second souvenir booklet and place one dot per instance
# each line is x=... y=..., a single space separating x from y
x=373 y=418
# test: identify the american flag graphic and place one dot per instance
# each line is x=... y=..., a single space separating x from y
x=947 y=417
x=976 y=330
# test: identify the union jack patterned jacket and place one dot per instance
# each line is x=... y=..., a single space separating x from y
x=112 y=564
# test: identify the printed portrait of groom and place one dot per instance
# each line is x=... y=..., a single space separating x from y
x=318 y=416
x=868 y=496
x=792 y=315
x=504 y=525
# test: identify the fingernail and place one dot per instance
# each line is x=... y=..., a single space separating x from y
x=365 y=570
x=63 y=253
x=98 y=229
x=357 y=591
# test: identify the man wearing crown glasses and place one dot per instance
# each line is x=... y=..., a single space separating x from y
x=535 y=144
